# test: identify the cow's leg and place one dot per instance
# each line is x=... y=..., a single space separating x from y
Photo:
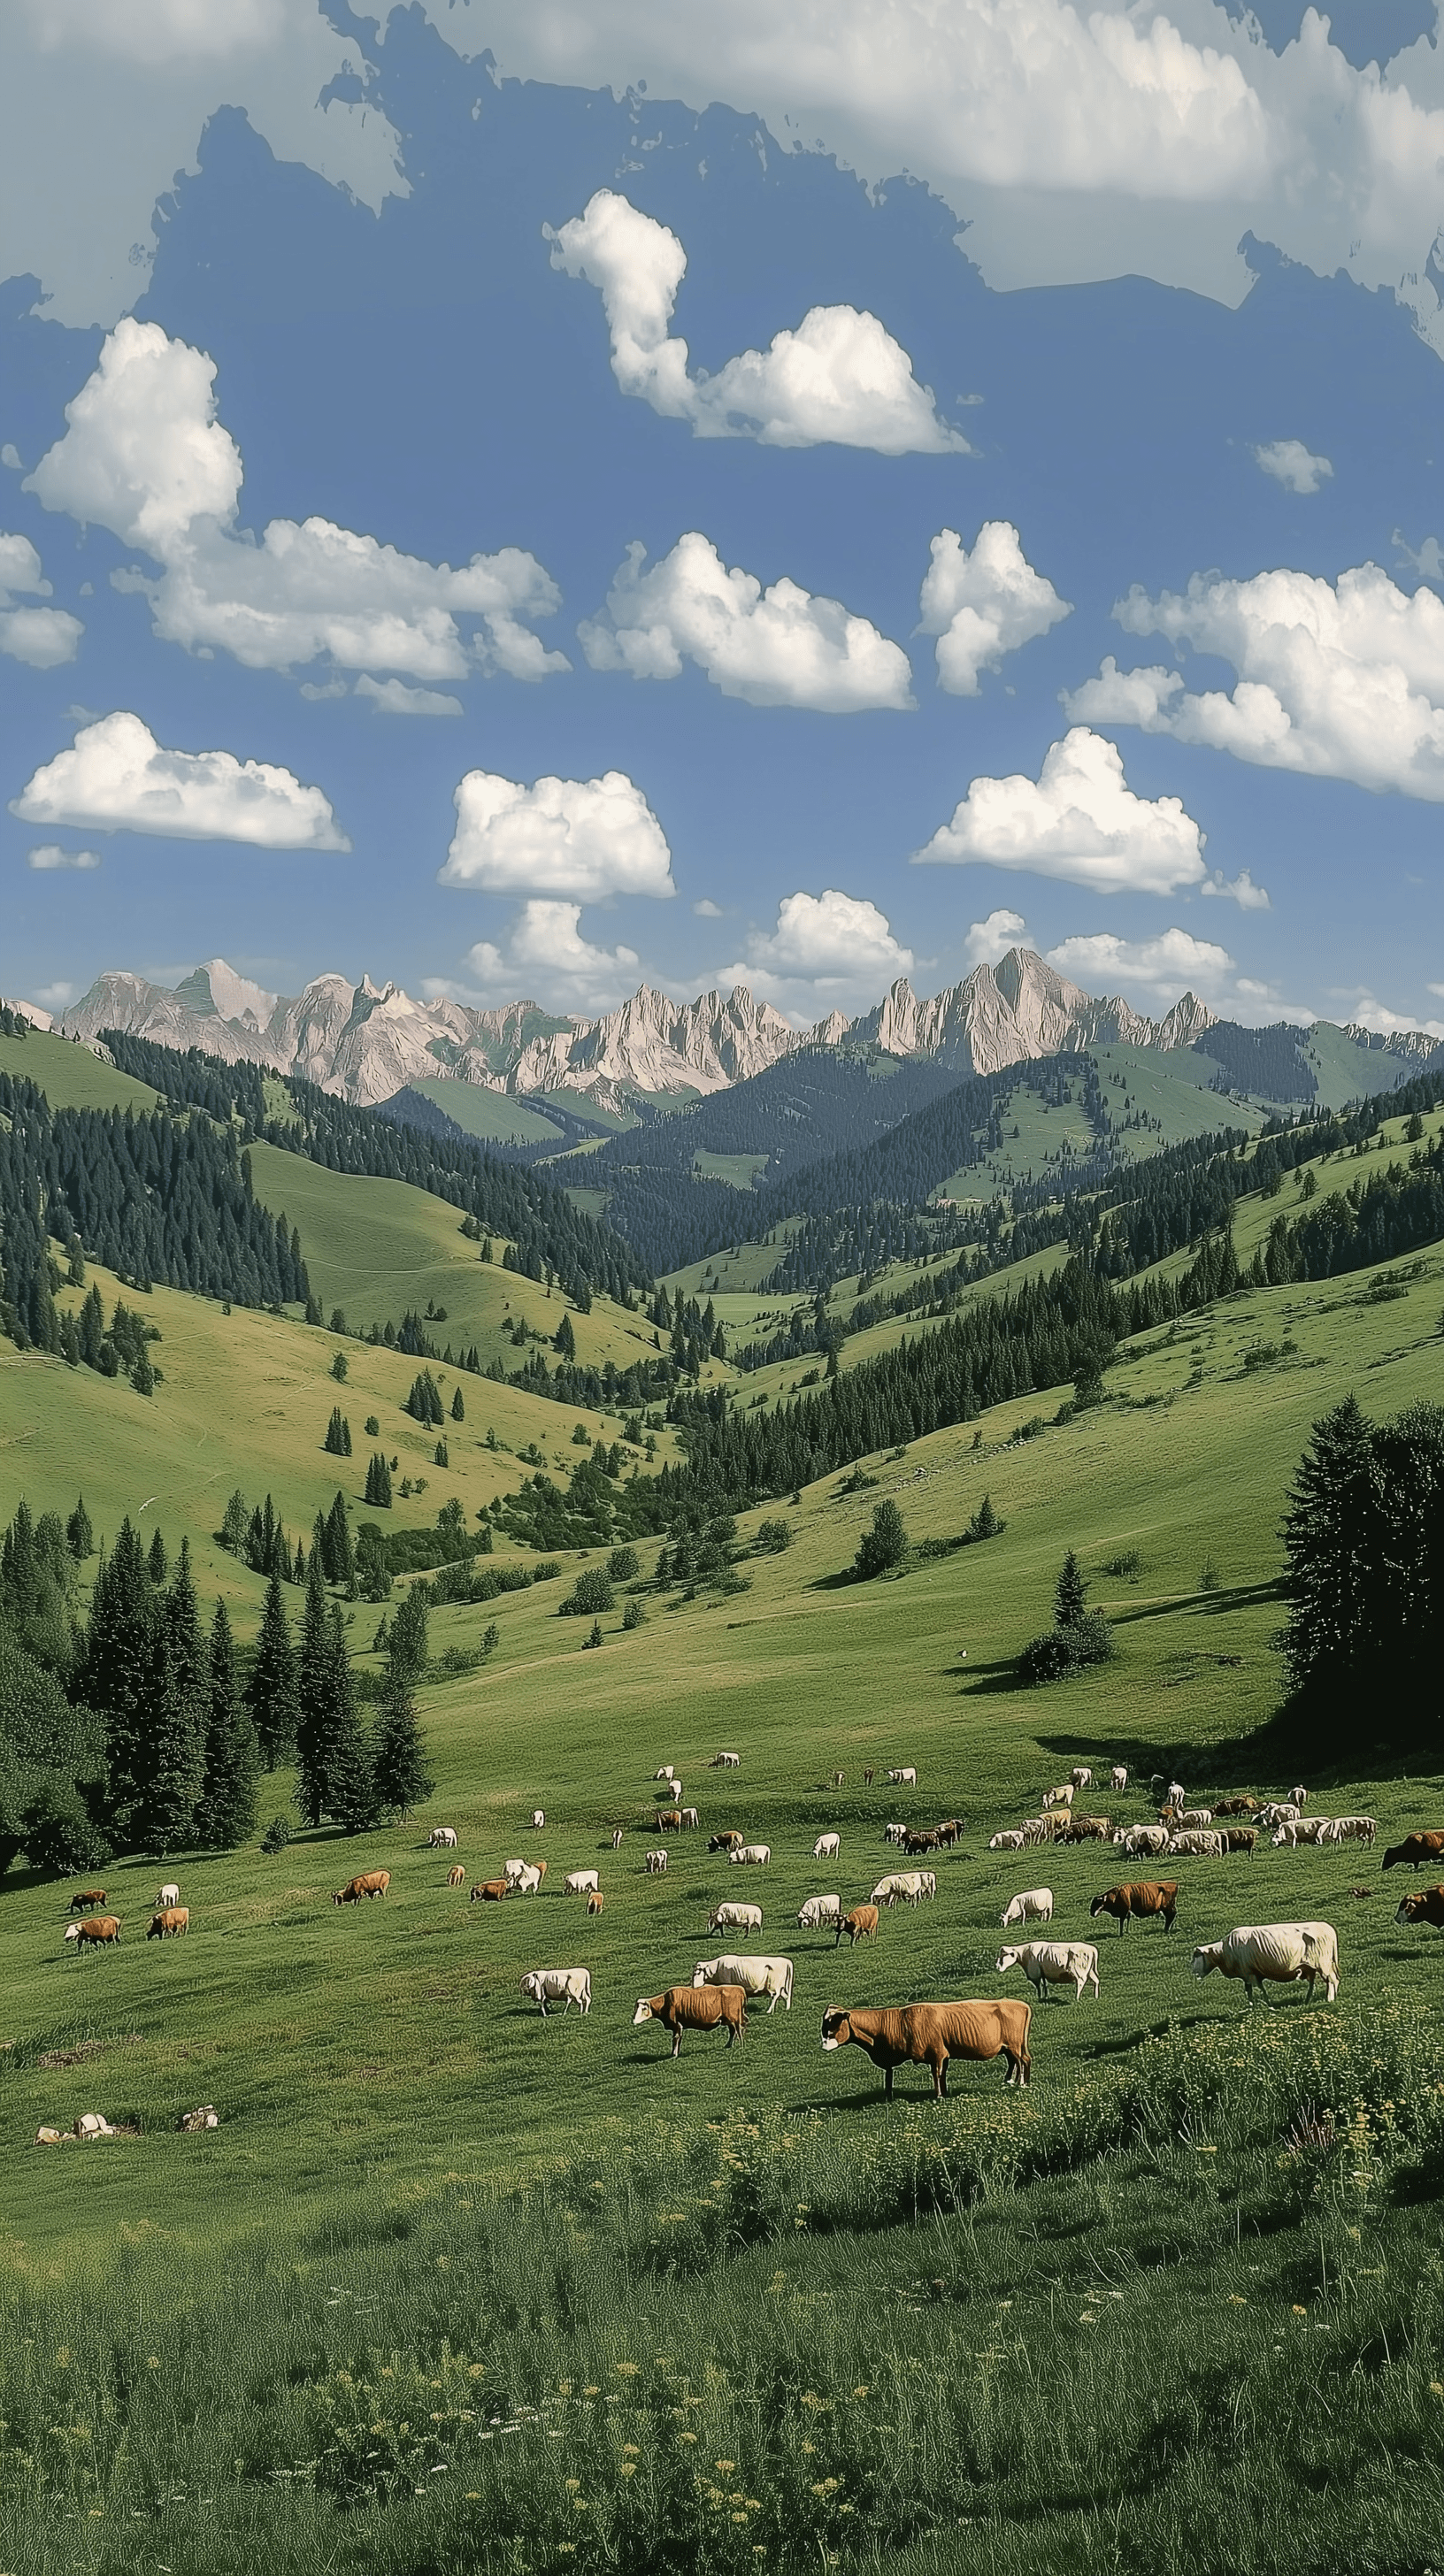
x=677 y=2042
x=887 y=2083
x=940 y=2079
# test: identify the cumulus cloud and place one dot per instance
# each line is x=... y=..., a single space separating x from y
x=707 y=910
x=1362 y=1007
x=51 y=855
x=984 y=604
x=144 y=455
x=826 y=949
x=1289 y=462
x=1335 y=680
x=1240 y=890
x=776 y=648
x=1165 y=967
x=43 y=637
x=1080 y=821
x=117 y=778
x=546 y=955
x=395 y=698
x=56 y=997
x=588 y=837
x=838 y=378
x=988 y=941
x=10 y=455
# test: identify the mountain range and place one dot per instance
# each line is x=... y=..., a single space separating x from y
x=367 y=1041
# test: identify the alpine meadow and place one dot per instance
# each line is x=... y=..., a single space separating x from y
x=721 y=1288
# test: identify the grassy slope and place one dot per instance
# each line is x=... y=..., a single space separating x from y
x=490 y=1115
x=70 y=1076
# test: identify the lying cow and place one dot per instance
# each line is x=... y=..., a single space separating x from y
x=859 y=1925
x=690 y=2008
x=756 y=1977
x=1274 y=1954
x=1156 y=1897
x=1054 y=1963
x=564 y=1986
x=171 y=1920
x=930 y=2034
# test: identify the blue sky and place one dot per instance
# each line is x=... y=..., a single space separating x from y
x=1046 y=545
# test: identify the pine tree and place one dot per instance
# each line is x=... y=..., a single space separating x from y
x=1334 y=1533
x=229 y=1801
x=337 y=1442
x=235 y=1524
x=1070 y=1601
x=314 y=1683
x=401 y=1778
x=116 y=1676
x=340 y=1554
x=564 y=1340
x=157 y=1563
x=79 y=1536
x=142 y=1375
x=350 y=1784
x=458 y=1408
x=409 y=1636
x=273 y=1691
x=985 y=1522
x=165 y=1815
x=378 y=1483
x=442 y=1455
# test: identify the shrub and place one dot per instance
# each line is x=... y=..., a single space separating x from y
x=773 y=1536
x=634 y=1614
x=1127 y=1564
x=622 y=1564
x=591 y=1592
x=275 y=1837
x=59 y=1834
x=595 y=1636
x=1061 y=1652
x=884 y=1545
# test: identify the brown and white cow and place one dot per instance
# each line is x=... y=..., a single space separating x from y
x=930 y=2034
x=859 y=1925
x=700 y=2008
x=456 y=1877
x=490 y=1891
x=172 y=1919
x=1426 y=1907
x=1416 y=1851
x=97 y=1934
x=87 y=1900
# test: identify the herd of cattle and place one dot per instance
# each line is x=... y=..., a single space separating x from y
x=1259 y=1955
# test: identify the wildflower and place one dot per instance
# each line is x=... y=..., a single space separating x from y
x=629 y=2468
x=630 y=2451
x=1235 y=2301
x=627 y=2369
x=1298 y=2311
x=863 y=2391
x=591 y=2392
x=686 y=2437
x=1436 y=2387
x=152 y=2361
x=573 y=2486
x=724 y=2467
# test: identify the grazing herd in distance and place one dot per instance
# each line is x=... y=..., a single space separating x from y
x=1305 y=1952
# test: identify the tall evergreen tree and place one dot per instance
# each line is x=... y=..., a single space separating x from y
x=350 y=1794
x=340 y=1552
x=116 y=1676
x=408 y=1636
x=165 y=1815
x=157 y=1562
x=378 y=1483
x=273 y=1691
x=228 y=1808
x=400 y=1773
x=315 y=1681
x=79 y=1536
x=1070 y=1600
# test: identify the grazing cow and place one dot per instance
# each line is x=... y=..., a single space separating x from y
x=1081 y=1776
x=1086 y=1829
x=868 y=1778
x=1208 y=1846
x=1060 y=1797
x=665 y=1773
x=1035 y=1905
x=656 y=1864
x=616 y=1838
x=1279 y=1811
x=950 y=1831
x=1054 y=1963
x=836 y=1780
x=735 y=1918
x=906 y=1778
x=931 y=2034
x=725 y=1762
x=441 y=1838
x=1240 y=1838
x=169 y=1894
x=564 y=1986
x=456 y=1877
x=524 y=1881
x=1193 y=1820
x=1012 y=1840
x=687 y=2008
x=672 y=1793
x=372 y=1882
x=1118 y=1776
x=1352 y=1829
x=1236 y=1807
x=1143 y=1897
x=580 y=1882
x=729 y=1842
x=171 y=1920
x=915 y=1844
x=1143 y=1841
x=595 y=1901
x=816 y=1910
x=668 y=1820
x=1415 y=1850
x=895 y=1834
x=1276 y=1953
x=491 y=1891
x=691 y=1821
x=756 y=1977
x=905 y=1887
x=826 y=1847
x=1299 y=1830
x=87 y=1900
x=538 y=1819
x=859 y=1925
x=750 y=1856
x=1426 y=1907
x=98 y=1933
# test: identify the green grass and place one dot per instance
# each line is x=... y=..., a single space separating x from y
x=490 y=1115
x=70 y=1076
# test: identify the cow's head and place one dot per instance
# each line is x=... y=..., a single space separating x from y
x=836 y=2026
x=1206 y=1958
x=643 y=2012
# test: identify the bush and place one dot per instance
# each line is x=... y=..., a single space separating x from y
x=884 y=1545
x=773 y=1536
x=275 y=1837
x=634 y=1614
x=1126 y=1564
x=595 y=1636
x=59 y=1834
x=591 y=1592
x=622 y=1564
x=1061 y=1652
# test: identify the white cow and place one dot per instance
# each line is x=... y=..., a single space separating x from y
x=690 y=1818
x=1140 y=1841
x=1035 y=1905
x=895 y=1834
x=905 y=1887
x=665 y=1773
x=735 y=1918
x=1054 y=1963
x=441 y=1838
x=816 y=1910
x=581 y=1882
x=770 y=1977
x=1300 y=1797
x=1059 y=1797
x=1012 y=1840
x=906 y=1778
x=826 y=1847
x=1296 y=1830
x=538 y=1819
x=1081 y=1776
x=1039 y=1829
x=616 y=1838
x=564 y=1986
x=656 y=1864
x=1193 y=1820
x=1196 y=1846
x=1118 y=1776
x=524 y=1878
x=1276 y=1953
x=751 y=1856
x=1176 y=1794
x=169 y=1894
x=1351 y=1829
x=1279 y=1811
x=725 y=1762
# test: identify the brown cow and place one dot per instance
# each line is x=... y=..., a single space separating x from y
x=929 y=2034
x=456 y=1877
x=1416 y=1849
x=1426 y=1907
x=87 y=1900
x=868 y=1778
x=695 y=2008
x=98 y=1932
x=915 y=1844
x=490 y=1892
x=859 y=1925
x=1143 y=1896
x=729 y=1842
x=1086 y=1829
x=1240 y=1838
x=951 y=1831
x=170 y=1920
x=668 y=1820
x=372 y=1882
x=595 y=1901
x=1236 y=1807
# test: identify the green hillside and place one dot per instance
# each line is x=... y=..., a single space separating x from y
x=70 y=1075
x=492 y=1116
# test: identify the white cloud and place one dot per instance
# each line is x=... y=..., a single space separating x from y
x=1338 y=680
x=10 y=455
x=1240 y=890
x=826 y=949
x=1172 y=964
x=546 y=955
x=43 y=637
x=51 y=855
x=117 y=778
x=1080 y=821
x=1361 y=1006
x=144 y=455
x=776 y=648
x=984 y=604
x=1289 y=462
x=394 y=698
x=707 y=910
x=587 y=837
x=839 y=377
x=56 y=997
x=158 y=31
x=988 y=941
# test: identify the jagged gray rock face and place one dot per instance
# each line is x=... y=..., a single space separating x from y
x=367 y=1041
